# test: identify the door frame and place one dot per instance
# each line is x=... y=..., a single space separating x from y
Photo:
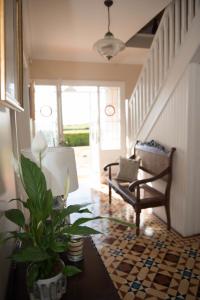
x=120 y=84
x=98 y=83
x=58 y=83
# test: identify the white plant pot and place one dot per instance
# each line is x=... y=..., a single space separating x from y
x=49 y=289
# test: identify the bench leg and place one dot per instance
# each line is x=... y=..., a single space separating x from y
x=137 y=223
x=167 y=209
x=110 y=193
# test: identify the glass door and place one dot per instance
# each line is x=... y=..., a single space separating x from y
x=79 y=122
x=89 y=116
x=46 y=112
x=94 y=136
x=111 y=125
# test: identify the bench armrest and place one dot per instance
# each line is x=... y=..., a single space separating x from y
x=137 y=183
x=110 y=165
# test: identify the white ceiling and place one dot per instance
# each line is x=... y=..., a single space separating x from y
x=67 y=29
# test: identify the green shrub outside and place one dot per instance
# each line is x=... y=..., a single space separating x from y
x=76 y=139
x=76 y=135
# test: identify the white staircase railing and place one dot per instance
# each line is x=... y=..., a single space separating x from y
x=174 y=26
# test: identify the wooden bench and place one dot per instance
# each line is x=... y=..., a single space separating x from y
x=155 y=161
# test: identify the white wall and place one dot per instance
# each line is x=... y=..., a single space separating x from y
x=65 y=70
x=14 y=133
x=178 y=126
x=192 y=209
x=7 y=191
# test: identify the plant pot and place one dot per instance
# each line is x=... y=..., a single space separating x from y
x=49 y=289
x=75 y=249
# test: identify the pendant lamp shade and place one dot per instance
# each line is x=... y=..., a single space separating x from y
x=109 y=46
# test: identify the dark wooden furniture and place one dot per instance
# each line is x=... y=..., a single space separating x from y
x=157 y=162
x=93 y=283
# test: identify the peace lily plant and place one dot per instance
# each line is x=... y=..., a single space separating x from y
x=46 y=234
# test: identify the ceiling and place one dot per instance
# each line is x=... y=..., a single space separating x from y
x=67 y=29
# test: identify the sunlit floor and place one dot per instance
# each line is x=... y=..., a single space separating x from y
x=156 y=265
x=83 y=161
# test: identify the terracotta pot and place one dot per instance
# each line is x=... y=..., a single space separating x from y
x=49 y=289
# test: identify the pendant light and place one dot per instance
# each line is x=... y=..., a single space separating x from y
x=109 y=46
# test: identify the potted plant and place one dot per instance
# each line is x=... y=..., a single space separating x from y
x=45 y=235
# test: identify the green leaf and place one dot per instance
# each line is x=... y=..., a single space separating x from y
x=34 y=181
x=30 y=205
x=39 y=231
x=76 y=208
x=15 y=216
x=32 y=274
x=20 y=235
x=58 y=216
x=30 y=254
x=84 y=220
x=81 y=230
x=58 y=247
x=71 y=271
x=132 y=225
x=86 y=210
x=19 y=200
x=47 y=205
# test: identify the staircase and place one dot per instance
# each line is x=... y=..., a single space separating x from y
x=176 y=41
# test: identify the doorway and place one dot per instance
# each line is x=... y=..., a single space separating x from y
x=89 y=118
x=76 y=124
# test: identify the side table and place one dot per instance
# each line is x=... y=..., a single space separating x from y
x=93 y=283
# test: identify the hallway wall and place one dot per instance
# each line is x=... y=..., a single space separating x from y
x=7 y=192
x=178 y=126
x=46 y=69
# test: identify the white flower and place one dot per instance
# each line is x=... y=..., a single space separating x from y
x=39 y=146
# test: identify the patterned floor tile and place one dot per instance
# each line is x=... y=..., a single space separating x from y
x=159 y=264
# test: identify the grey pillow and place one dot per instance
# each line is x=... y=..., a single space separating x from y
x=128 y=169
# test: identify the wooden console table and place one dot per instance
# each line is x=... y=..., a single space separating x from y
x=93 y=283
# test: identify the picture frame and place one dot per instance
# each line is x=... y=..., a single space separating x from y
x=11 y=54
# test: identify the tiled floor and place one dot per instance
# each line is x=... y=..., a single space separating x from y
x=156 y=265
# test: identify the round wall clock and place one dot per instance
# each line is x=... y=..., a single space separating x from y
x=46 y=111
x=109 y=110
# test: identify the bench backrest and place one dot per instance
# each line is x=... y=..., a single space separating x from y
x=154 y=159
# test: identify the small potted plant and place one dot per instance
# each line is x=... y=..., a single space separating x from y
x=45 y=235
